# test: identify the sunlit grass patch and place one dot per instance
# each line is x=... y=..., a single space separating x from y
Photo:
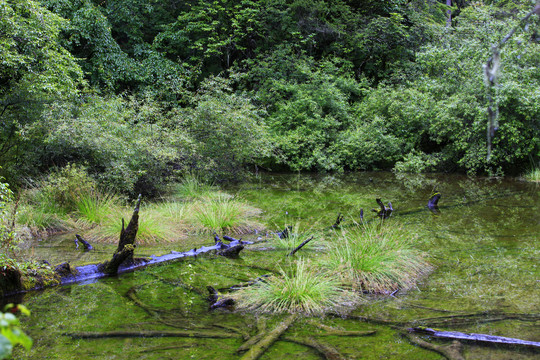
x=301 y=288
x=376 y=258
x=193 y=187
x=294 y=237
x=154 y=227
x=93 y=207
x=223 y=213
x=533 y=175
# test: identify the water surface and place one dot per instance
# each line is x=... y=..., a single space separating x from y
x=483 y=244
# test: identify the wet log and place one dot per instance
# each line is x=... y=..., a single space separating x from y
x=217 y=300
x=150 y=334
x=338 y=221
x=86 y=244
x=261 y=346
x=230 y=251
x=329 y=352
x=451 y=352
x=383 y=211
x=476 y=338
x=300 y=246
x=285 y=233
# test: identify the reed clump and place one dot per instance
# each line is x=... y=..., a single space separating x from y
x=376 y=258
x=300 y=288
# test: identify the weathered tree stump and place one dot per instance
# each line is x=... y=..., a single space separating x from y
x=126 y=244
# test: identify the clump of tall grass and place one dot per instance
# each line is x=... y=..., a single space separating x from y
x=154 y=226
x=376 y=258
x=299 y=289
x=223 y=213
x=293 y=237
x=93 y=208
x=193 y=187
x=533 y=175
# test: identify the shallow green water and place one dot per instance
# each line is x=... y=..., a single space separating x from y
x=483 y=244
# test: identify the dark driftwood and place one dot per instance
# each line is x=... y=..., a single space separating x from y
x=86 y=244
x=451 y=352
x=339 y=219
x=217 y=300
x=384 y=211
x=285 y=233
x=300 y=246
x=261 y=346
x=477 y=338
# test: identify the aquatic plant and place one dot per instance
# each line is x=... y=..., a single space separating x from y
x=94 y=207
x=533 y=175
x=223 y=213
x=376 y=258
x=294 y=236
x=301 y=288
x=154 y=227
x=193 y=187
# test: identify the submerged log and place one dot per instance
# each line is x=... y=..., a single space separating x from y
x=147 y=334
x=329 y=352
x=477 y=338
x=261 y=346
x=451 y=352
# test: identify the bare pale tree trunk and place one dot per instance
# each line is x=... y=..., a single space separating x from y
x=449 y=12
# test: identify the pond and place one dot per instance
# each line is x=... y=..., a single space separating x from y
x=483 y=244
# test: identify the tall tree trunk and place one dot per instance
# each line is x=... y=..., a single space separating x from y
x=449 y=12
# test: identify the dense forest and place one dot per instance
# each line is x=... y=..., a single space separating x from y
x=140 y=92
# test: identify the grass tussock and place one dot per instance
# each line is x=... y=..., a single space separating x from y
x=533 y=175
x=376 y=259
x=295 y=236
x=192 y=187
x=300 y=289
x=156 y=224
x=223 y=214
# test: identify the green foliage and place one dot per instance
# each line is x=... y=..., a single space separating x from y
x=299 y=289
x=10 y=331
x=376 y=258
x=35 y=71
x=7 y=237
x=125 y=143
x=228 y=131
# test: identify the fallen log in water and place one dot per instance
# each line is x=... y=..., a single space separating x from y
x=265 y=342
x=157 y=333
x=477 y=338
x=451 y=352
x=300 y=246
x=329 y=352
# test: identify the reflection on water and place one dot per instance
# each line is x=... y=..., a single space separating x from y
x=483 y=243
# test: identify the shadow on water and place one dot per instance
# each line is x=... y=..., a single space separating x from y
x=483 y=243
